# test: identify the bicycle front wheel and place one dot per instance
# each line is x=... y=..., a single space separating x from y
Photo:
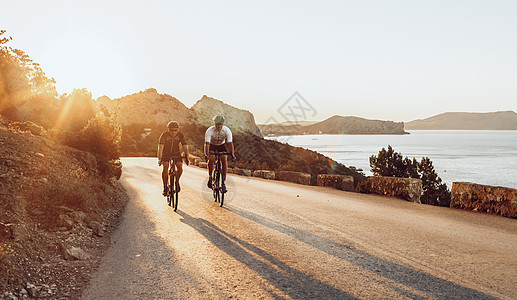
x=215 y=186
x=172 y=190
x=175 y=200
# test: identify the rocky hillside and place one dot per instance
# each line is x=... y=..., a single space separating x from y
x=501 y=120
x=252 y=150
x=150 y=107
x=57 y=209
x=336 y=125
x=147 y=107
x=240 y=121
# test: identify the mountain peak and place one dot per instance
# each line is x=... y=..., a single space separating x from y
x=238 y=120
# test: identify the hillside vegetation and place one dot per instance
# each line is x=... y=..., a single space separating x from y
x=59 y=165
x=141 y=129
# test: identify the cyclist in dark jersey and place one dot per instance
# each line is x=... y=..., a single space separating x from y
x=168 y=148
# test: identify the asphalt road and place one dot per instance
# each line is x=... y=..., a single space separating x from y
x=277 y=240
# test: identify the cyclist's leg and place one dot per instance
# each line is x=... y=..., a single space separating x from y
x=179 y=168
x=224 y=166
x=165 y=174
x=224 y=169
x=211 y=160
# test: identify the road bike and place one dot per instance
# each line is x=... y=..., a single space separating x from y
x=173 y=185
x=217 y=178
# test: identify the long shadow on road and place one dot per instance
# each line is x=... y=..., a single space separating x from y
x=292 y=282
x=430 y=285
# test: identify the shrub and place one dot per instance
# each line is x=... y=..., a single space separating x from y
x=392 y=164
x=434 y=191
x=28 y=126
x=109 y=167
x=101 y=136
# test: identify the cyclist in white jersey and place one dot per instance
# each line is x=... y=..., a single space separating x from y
x=216 y=139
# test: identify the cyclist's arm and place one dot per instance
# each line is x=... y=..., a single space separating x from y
x=231 y=148
x=207 y=147
x=229 y=141
x=161 y=145
x=160 y=151
x=185 y=150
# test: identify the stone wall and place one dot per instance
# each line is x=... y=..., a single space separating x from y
x=340 y=182
x=194 y=160
x=296 y=177
x=242 y=172
x=483 y=198
x=404 y=188
x=264 y=174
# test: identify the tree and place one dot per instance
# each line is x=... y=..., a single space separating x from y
x=101 y=136
x=77 y=109
x=392 y=164
x=434 y=191
x=26 y=93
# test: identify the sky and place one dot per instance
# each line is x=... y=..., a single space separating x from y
x=397 y=60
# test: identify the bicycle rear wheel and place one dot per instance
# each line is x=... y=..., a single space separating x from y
x=222 y=198
x=175 y=200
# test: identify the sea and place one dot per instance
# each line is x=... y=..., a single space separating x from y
x=486 y=157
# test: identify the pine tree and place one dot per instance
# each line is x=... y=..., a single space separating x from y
x=392 y=164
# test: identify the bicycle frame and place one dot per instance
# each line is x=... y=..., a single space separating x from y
x=172 y=194
x=217 y=177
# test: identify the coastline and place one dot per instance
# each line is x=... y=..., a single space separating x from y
x=486 y=157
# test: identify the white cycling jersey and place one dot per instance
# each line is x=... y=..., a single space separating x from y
x=218 y=138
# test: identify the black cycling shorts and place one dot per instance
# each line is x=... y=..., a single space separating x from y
x=167 y=158
x=220 y=148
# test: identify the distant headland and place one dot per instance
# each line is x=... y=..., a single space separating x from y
x=500 y=120
x=334 y=125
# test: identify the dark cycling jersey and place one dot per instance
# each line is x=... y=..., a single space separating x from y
x=171 y=145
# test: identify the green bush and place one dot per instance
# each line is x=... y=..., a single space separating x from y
x=434 y=191
x=101 y=136
x=391 y=164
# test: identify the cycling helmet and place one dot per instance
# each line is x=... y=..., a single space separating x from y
x=173 y=124
x=218 y=120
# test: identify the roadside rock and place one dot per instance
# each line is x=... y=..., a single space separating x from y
x=76 y=253
x=96 y=227
x=65 y=221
